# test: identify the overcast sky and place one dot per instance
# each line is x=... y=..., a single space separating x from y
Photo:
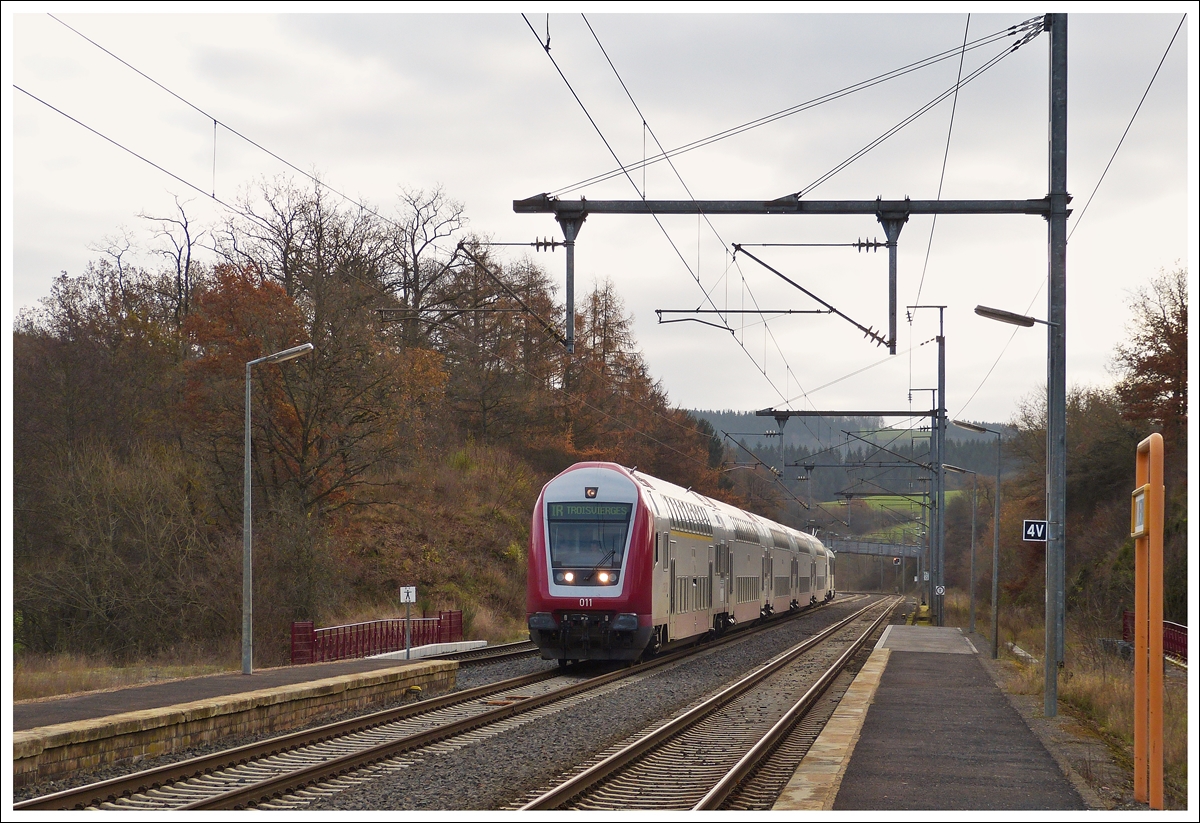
x=472 y=103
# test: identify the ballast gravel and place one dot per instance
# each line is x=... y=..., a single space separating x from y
x=511 y=766
x=504 y=769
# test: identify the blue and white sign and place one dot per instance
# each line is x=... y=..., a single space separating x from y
x=1035 y=531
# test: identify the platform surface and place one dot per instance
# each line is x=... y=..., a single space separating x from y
x=925 y=727
x=72 y=708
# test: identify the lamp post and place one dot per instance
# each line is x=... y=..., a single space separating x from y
x=247 y=536
x=962 y=424
x=974 y=505
x=1056 y=497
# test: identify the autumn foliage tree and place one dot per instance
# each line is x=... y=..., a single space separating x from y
x=408 y=448
x=1153 y=363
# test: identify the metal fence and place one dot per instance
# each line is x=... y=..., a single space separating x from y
x=313 y=645
x=1174 y=636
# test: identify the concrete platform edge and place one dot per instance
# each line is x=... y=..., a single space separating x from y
x=815 y=784
x=48 y=751
x=432 y=650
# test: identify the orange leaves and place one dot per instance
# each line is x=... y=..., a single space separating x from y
x=238 y=317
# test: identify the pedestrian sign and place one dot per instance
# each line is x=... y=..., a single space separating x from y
x=408 y=594
x=1034 y=531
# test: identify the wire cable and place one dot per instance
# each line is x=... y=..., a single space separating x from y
x=1011 y=31
x=707 y=295
x=945 y=159
x=922 y=110
x=1042 y=284
x=608 y=146
x=1127 y=128
x=233 y=209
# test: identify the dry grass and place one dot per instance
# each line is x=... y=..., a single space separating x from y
x=36 y=676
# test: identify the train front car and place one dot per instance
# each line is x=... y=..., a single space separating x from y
x=588 y=595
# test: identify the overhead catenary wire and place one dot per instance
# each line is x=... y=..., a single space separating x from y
x=130 y=151
x=945 y=159
x=1124 y=134
x=611 y=151
x=1011 y=31
x=216 y=121
x=699 y=215
x=1075 y=225
x=1028 y=30
x=235 y=210
x=920 y=111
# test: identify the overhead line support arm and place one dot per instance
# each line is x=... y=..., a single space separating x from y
x=544 y=204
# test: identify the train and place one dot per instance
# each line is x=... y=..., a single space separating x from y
x=622 y=564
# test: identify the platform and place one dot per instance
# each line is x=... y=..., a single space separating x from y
x=924 y=726
x=56 y=736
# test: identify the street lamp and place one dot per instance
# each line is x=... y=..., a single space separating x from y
x=247 y=538
x=962 y=424
x=1009 y=317
x=1056 y=473
x=974 y=505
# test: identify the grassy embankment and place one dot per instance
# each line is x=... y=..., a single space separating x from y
x=457 y=531
x=37 y=676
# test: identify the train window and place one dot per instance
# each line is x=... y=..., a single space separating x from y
x=587 y=534
x=657 y=541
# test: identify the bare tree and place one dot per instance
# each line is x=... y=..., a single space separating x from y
x=424 y=256
x=178 y=238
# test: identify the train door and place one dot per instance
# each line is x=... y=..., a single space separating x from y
x=673 y=597
x=661 y=599
x=722 y=597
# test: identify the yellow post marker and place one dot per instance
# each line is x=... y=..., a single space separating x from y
x=1146 y=527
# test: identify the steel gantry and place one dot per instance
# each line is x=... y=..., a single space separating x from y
x=892 y=214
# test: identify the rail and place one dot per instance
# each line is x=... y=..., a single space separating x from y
x=1174 y=636
x=313 y=645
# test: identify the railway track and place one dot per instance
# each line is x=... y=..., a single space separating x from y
x=727 y=749
x=279 y=753
x=492 y=654
x=292 y=770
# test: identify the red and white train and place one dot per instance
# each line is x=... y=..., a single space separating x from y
x=621 y=563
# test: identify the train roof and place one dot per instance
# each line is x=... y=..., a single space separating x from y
x=762 y=525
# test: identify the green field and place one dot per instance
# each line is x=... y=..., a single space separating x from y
x=901 y=516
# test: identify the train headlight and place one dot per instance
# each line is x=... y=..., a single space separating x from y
x=605 y=577
x=569 y=577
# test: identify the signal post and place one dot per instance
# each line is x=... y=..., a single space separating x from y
x=1147 y=530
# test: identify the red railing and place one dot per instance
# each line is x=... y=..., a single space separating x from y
x=1174 y=636
x=312 y=645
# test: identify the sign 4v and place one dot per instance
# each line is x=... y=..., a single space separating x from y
x=1034 y=531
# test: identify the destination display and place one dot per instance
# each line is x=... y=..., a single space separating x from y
x=589 y=511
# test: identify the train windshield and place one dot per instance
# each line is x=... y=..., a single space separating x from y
x=588 y=534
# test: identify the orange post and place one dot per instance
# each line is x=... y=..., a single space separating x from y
x=1147 y=529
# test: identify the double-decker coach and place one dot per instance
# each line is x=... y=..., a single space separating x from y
x=621 y=563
